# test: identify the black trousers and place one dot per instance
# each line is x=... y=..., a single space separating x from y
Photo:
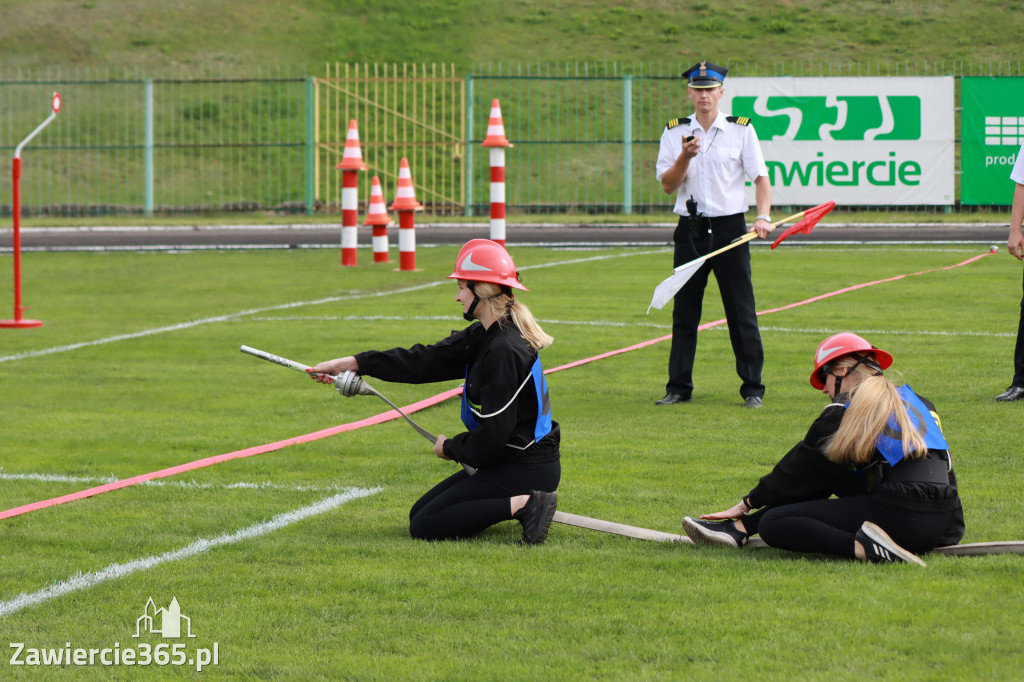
x=461 y=505
x=732 y=271
x=829 y=526
x=1018 y=353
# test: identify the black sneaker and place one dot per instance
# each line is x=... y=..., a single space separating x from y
x=879 y=548
x=536 y=516
x=723 y=533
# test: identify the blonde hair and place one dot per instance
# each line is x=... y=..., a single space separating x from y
x=503 y=306
x=872 y=403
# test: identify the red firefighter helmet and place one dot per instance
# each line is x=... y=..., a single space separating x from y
x=841 y=344
x=483 y=260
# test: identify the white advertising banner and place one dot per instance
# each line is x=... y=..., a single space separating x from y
x=856 y=141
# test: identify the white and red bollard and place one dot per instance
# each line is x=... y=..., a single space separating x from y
x=351 y=162
x=497 y=142
x=406 y=205
x=378 y=218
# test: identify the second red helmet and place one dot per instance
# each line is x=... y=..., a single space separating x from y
x=841 y=344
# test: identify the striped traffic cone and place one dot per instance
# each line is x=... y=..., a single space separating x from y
x=497 y=142
x=352 y=159
x=379 y=219
x=496 y=128
x=406 y=205
x=351 y=162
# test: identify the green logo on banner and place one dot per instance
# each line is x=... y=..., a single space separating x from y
x=834 y=118
x=992 y=132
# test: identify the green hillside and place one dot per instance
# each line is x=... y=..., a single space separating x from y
x=218 y=36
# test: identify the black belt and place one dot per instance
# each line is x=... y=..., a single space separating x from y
x=924 y=470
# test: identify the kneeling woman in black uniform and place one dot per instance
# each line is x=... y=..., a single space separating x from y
x=511 y=439
x=877 y=447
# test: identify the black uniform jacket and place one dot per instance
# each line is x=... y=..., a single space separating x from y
x=805 y=473
x=498 y=360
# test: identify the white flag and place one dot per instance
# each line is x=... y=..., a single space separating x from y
x=664 y=292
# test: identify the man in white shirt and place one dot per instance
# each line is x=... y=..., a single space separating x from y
x=1015 y=244
x=706 y=159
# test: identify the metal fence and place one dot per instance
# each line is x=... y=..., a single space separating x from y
x=415 y=111
x=585 y=135
x=124 y=143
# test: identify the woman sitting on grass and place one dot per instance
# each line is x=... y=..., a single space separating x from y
x=510 y=439
x=877 y=447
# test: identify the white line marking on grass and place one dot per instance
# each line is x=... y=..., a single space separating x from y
x=283 y=306
x=114 y=571
x=432 y=318
x=205 y=320
x=244 y=485
x=894 y=332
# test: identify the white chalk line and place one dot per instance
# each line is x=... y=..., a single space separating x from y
x=84 y=581
x=893 y=332
x=449 y=318
x=608 y=323
x=205 y=320
x=194 y=485
x=284 y=306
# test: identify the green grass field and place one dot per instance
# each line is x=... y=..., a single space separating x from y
x=137 y=369
x=221 y=37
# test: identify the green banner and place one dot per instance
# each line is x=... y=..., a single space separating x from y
x=992 y=132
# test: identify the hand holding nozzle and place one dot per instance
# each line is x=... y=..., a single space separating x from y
x=325 y=372
x=344 y=374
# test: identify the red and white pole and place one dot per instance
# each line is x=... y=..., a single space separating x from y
x=379 y=219
x=19 y=322
x=406 y=205
x=351 y=163
x=497 y=142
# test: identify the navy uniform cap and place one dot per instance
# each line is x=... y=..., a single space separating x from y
x=705 y=75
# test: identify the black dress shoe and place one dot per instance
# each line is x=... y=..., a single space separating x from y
x=672 y=399
x=1011 y=394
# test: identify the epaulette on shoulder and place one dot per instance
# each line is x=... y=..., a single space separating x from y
x=738 y=120
x=676 y=121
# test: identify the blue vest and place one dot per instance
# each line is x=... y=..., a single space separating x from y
x=890 y=442
x=471 y=417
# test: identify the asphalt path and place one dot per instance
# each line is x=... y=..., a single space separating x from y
x=299 y=235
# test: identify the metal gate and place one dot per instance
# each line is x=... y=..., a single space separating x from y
x=415 y=111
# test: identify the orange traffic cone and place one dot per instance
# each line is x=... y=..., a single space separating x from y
x=405 y=194
x=352 y=159
x=379 y=219
x=496 y=129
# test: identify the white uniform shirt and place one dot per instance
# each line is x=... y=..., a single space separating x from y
x=1017 y=174
x=730 y=153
